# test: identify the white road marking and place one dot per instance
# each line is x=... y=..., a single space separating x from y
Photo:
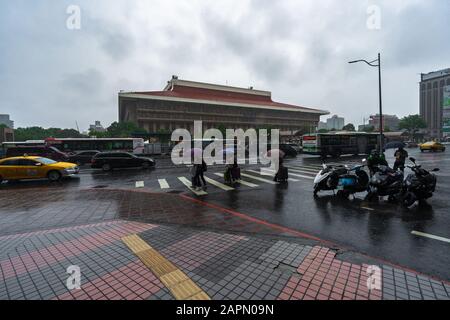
x=243 y=182
x=304 y=170
x=367 y=208
x=426 y=235
x=163 y=184
x=218 y=184
x=258 y=178
x=271 y=173
x=309 y=167
x=188 y=184
x=140 y=184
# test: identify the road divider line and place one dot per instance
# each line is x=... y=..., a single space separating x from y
x=427 y=235
x=218 y=184
x=163 y=184
x=188 y=184
x=243 y=182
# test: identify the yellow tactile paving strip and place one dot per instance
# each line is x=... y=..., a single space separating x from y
x=179 y=284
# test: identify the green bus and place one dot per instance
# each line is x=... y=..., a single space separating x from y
x=340 y=143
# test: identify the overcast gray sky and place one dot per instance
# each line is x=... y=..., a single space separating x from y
x=298 y=49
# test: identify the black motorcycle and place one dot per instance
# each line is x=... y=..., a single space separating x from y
x=341 y=178
x=385 y=182
x=419 y=185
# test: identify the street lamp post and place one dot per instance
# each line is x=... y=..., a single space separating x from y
x=378 y=64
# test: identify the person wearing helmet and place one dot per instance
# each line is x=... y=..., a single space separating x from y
x=400 y=157
x=374 y=160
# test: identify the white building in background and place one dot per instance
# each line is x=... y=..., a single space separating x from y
x=97 y=127
x=322 y=125
x=336 y=123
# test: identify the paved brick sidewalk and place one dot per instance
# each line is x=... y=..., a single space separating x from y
x=246 y=260
x=223 y=265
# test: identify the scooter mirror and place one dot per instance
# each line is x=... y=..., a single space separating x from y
x=436 y=170
x=412 y=159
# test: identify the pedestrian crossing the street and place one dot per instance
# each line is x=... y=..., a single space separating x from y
x=256 y=178
x=188 y=184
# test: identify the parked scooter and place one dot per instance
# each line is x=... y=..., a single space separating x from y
x=385 y=182
x=419 y=185
x=341 y=178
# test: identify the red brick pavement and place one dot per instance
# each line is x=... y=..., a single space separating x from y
x=131 y=282
x=326 y=278
x=28 y=262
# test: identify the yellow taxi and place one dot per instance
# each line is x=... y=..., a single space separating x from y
x=20 y=168
x=432 y=146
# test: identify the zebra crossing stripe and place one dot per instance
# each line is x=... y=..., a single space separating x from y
x=218 y=184
x=305 y=166
x=272 y=174
x=258 y=178
x=140 y=184
x=304 y=169
x=243 y=182
x=163 y=184
x=188 y=184
x=301 y=171
x=301 y=176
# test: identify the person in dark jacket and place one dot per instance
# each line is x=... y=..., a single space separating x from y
x=400 y=157
x=375 y=159
x=203 y=168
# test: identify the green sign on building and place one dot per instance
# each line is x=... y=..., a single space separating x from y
x=446 y=111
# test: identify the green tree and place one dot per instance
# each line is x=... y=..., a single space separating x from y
x=98 y=134
x=39 y=133
x=349 y=127
x=322 y=131
x=412 y=124
x=223 y=129
x=387 y=129
x=124 y=130
x=369 y=129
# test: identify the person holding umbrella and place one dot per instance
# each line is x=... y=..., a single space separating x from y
x=232 y=172
x=282 y=174
x=400 y=157
x=197 y=169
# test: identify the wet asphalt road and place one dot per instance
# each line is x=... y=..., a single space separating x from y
x=381 y=230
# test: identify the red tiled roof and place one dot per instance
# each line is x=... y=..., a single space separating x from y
x=221 y=96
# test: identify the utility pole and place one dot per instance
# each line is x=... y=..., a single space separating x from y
x=372 y=64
